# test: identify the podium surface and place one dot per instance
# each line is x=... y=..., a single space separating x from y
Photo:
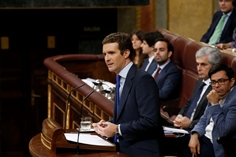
x=37 y=149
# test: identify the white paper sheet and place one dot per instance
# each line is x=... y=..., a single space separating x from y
x=87 y=139
x=175 y=130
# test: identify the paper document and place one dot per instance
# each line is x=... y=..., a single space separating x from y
x=87 y=139
x=175 y=130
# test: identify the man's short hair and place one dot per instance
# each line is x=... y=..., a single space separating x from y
x=151 y=36
x=214 y=54
x=123 y=40
x=222 y=67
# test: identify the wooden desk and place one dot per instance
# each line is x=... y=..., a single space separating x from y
x=37 y=149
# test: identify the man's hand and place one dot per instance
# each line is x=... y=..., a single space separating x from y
x=223 y=46
x=106 y=129
x=194 y=144
x=213 y=97
x=177 y=121
x=95 y=125
x=182 y=122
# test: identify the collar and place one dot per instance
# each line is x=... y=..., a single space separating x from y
x=207 y=82
x=123 y=73
x=150 y=59
x=163 y=66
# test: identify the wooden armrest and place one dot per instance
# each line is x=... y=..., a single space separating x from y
x=172 y=111
x=169 y=110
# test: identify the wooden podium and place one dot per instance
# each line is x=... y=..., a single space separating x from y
x=65 y=73
x=52 y=140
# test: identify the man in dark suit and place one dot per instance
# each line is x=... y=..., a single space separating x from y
x=149 y=38
x=166 y=75
x=136 y=123
x=219 y=117
x=229 y=23
x=206 y=58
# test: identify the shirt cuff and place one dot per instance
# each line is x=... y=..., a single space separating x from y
x=119 y=132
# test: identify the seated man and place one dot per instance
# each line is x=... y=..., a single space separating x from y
x=223 y=23
x=149 y=38
x=167 y=75
x=219 y=116
x=189 y=115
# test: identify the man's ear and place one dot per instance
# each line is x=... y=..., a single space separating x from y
x=170 y=54
x=126 y=53
x=232 y=82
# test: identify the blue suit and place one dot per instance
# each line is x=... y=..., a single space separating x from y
x=152 y=67
x=169 y=81
x=139 y=115
x=227 y=32
x=224 y=121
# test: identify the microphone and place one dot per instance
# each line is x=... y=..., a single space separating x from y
x=68 y=104
x=81 y=114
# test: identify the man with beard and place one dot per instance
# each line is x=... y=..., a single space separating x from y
x=167 y=75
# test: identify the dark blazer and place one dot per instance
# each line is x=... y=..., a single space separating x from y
x=169 y=81
x=227 y=32
x=223 y=118
x=201 y=105
x=152 y=66
x=139 y=115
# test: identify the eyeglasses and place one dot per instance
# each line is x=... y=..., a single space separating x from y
x=220 y=82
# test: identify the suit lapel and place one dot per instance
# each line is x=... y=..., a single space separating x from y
x=163 y=71
x=126 y=89
x=203 y=98
x=152 y=67
x=215 y=22
x=227 y=24
x=145 y=63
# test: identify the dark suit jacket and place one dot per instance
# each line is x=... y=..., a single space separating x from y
x=227 y=32
x=201 y=105
x=152 y=66
x=169 y=81
x=139 y=115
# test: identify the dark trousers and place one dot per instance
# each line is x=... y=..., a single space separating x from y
x=206 y=149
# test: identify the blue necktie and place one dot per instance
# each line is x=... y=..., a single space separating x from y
x=194 y=101
x=117 y=92
x=117 y=101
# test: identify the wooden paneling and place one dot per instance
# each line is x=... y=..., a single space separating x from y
x=67 y=109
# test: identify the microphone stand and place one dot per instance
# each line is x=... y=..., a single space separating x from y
x=68 y=103
x=81 y=112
